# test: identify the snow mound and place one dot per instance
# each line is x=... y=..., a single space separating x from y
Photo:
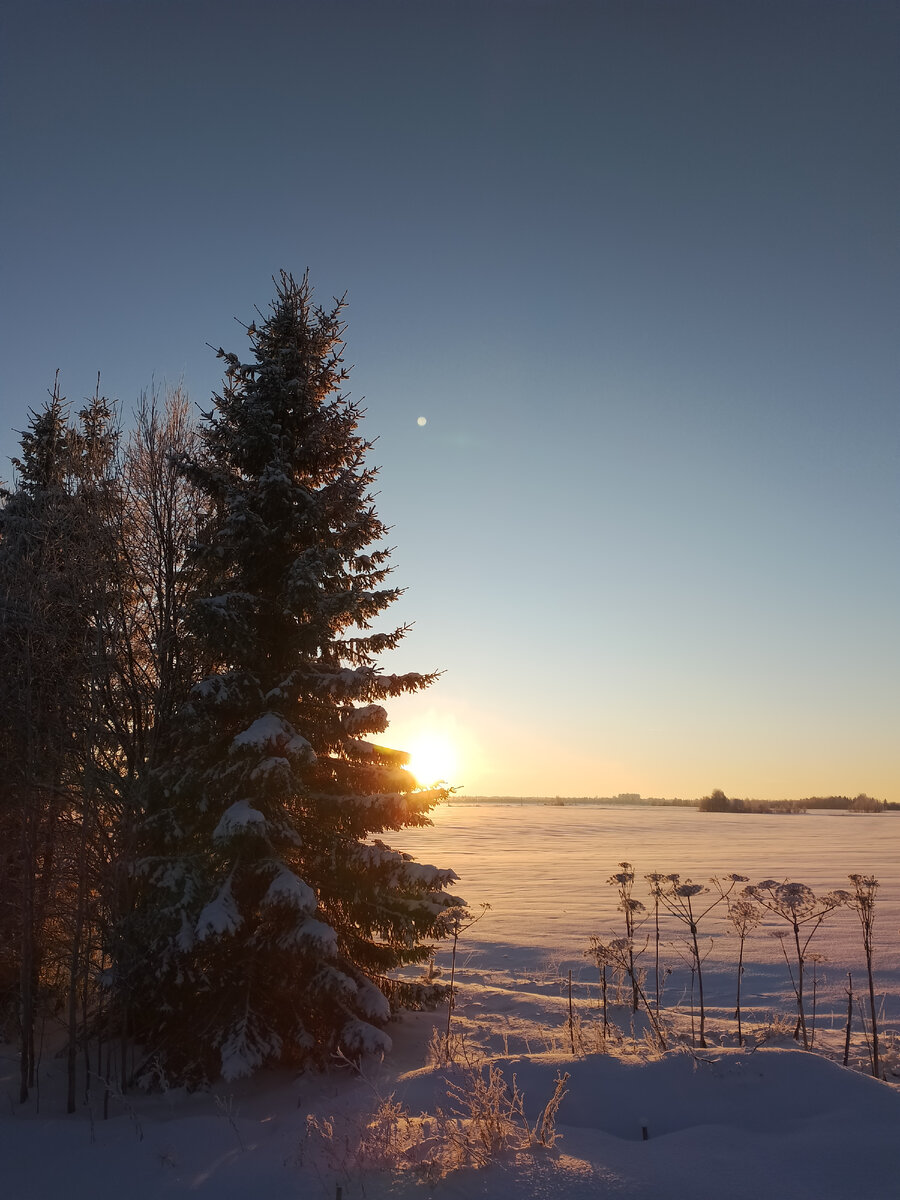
x=768 y=1091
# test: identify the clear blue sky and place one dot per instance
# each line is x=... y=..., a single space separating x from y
x=637 y=266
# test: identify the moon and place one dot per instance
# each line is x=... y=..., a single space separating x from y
x=421 y=421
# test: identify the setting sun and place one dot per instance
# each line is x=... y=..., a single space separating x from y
x=433 y=758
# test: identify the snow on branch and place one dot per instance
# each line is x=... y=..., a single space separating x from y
x=220 y=916
x=363 y=683
x=274 y=771
x=360 y=750
x=272 y=734
x=372 y=1002
x=228 y=605
x=246 y=1046
x=222 y=690
x=369 y=718
x=287 y=888
x=312 y=934
x=239 y=818
x=340 y=987
x=358 y=1038
x=406 y=872
x=405 y=802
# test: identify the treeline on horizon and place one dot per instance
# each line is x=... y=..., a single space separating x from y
x=717 y=801
x=632 y=799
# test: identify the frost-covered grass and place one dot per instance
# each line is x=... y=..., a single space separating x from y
x=767 y=1120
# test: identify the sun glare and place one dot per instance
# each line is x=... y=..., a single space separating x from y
x=433 y=759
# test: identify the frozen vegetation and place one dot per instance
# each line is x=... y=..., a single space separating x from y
x=525 y=1100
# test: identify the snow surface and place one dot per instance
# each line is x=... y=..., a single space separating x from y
x=721 y=1122
x=543 y=869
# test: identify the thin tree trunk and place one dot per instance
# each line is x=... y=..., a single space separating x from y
x=849 y=1018
x=26 y=961
x=605 y=999
x=737 y=1011
x=699 y=986
x=876 y=1069
x=75 y=968
x=452 y=981
x=801 y=1015
x=571 y=1016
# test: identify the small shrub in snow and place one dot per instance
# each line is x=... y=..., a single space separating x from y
x=798 y=906
x=459 y=919
x=618 y=954
x=862 y=901
x=743 y=916
x=482 y=1121
x=655 y=880
x=486 y=1119
x=443 y=1051
x=680 y=897
x=391 y=1139
x=225 y=1108
x=623 y=881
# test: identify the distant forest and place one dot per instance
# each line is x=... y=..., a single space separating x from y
x=629 y=799
x=716 y=801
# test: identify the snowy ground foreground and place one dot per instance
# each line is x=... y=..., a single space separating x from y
x=720 y=1122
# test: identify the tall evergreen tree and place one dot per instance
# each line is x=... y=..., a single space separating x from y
x=56 y=756
x=272 y=912
x=39 y=649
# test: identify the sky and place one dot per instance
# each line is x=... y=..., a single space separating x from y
x=636 y=266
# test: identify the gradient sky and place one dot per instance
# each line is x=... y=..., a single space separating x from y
x=637 y=266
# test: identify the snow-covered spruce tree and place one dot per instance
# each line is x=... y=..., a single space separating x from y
x=271 y=915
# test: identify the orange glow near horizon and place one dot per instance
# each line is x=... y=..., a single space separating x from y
x=433 y=758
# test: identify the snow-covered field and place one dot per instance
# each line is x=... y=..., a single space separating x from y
x=772 y=1120
x=543 y=869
